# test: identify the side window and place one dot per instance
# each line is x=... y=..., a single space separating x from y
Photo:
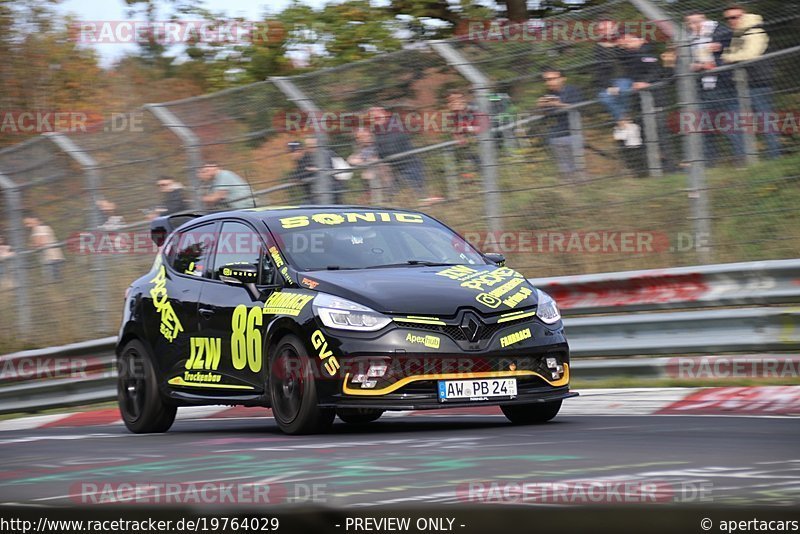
x=190 y=250
x=239 y=243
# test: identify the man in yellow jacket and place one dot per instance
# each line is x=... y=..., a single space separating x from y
x=750 y=41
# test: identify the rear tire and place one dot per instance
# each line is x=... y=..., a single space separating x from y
x=531 y=414
x=293 y=391
x=141 y=406
x=358 y=416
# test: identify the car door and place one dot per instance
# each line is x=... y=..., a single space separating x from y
x=231 y=318
x=171 y=303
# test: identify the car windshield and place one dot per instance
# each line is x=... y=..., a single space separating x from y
x=370 y=240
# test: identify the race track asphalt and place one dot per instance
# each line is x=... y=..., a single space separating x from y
x=462 y=460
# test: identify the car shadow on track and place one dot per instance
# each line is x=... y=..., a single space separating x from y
x=267 y=426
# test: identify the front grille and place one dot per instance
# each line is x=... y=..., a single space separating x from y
x=486 y=331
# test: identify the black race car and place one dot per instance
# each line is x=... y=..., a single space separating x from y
x=320 y=311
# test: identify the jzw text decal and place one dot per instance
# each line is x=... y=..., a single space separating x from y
x=205 y=353
x=170 y=324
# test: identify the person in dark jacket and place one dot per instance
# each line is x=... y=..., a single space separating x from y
x=615 y=88
x=718 y=95
x=172 y=198
x=390 y=139
x=562 y=142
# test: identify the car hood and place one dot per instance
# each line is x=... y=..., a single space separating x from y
x=429 y=291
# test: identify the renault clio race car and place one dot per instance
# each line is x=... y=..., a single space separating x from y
x=321 y=311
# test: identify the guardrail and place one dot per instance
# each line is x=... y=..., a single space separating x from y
x=623 y=315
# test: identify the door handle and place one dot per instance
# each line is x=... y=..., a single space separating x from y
x=206 y=313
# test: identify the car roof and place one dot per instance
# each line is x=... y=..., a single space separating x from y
x=269 y=213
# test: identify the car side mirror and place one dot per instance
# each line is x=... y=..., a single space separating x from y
x=242 y=275
x=238 y=274
x=496 y=258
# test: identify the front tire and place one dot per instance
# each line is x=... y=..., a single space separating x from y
x=531 y=414
x=358 y=416
x=140 y=403
x=293 y=391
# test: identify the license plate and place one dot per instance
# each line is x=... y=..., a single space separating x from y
x=477 y=389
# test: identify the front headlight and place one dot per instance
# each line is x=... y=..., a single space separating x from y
x=547 y=309
x=336 y=312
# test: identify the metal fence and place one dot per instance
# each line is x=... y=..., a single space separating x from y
x=750 y=315
x=554 y=191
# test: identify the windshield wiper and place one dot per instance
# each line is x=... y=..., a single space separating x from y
x=412 y=263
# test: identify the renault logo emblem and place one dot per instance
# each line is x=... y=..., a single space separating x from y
x=471 y=326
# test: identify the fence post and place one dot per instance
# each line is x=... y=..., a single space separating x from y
x=576 y=135
x=651 y=133
x=17 y=242
x=488 y=149
x=99 y=263
x=191 y=143
x=746 y=107
x=323 y=185
x=693 y=141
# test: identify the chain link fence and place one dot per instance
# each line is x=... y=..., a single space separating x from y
x=465 y=130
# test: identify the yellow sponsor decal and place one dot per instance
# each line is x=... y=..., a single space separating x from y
x=519 y=296
x=419 y=320
x=332 y=219
x=170 y=324
x=203 y=380
x=491 y=278
x=285 y=274
x=506 y=317
x=458 y=272
x=286 y=303
x=205 y=353
x=515 y=337
x=331 y=364
x=276 y=256
x=246 y=348
x=432 y=342
x=484 y=281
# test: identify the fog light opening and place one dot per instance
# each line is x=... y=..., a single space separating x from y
x=556 y=369
x=376 y=371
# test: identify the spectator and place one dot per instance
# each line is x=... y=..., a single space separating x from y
x=377 y=174
x=641 y=67
x=708 y=38
x=607 y=74
x=224 y=189
x=6 y=281
x=307 y=169
x=390 y=139
x=113 y=221
x=749 y=42
x=172 y=197
x=562 y=142
x=464 y=117
x=43 y=239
